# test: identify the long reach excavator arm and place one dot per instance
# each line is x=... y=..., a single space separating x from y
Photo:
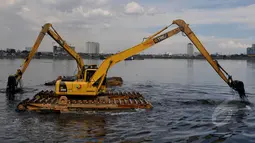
x=46 y=29
x=101 y=72
x=235 y=84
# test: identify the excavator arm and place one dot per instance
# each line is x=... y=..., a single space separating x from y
x=101 y=73
x=46 y=29
x=235 y=84
x=80 y=64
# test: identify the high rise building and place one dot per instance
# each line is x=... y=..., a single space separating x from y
x=58 y=50
x=28 y=49
x=251 y=50
x=92 y=47
x=190 y=49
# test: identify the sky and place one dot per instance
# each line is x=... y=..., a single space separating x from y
x=222 y=26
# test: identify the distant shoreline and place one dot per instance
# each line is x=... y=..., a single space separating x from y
x=12 y=54
x=143 y=57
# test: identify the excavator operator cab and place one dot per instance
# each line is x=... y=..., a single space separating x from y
x=89 y=71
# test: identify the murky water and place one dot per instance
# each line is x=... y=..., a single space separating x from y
x=191 y=104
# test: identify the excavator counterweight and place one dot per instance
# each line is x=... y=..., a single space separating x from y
x=90 y=91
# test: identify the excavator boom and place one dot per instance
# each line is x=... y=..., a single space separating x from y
x=152 y=40
x=112 y=60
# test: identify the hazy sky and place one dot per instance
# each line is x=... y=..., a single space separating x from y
x=224 y=26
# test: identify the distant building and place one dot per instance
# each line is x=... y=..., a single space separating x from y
x=8 y=50
x=92 y=47
x=28 y=49
x=168 y=53
x=58 y=50
x=197 y=54
x=190 y=49
x=251 y=50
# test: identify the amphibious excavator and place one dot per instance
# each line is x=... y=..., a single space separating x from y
x=89 y=92
x=14 y=80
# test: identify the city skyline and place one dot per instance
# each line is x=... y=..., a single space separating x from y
x=221 y=26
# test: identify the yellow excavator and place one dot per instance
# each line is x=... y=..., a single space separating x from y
x=89 y=92
x=14 y=80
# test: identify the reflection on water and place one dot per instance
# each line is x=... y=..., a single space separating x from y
x=250 y=63
x=87 y=127
x=68 y=64
x=190 y=74
x=54 y=65
x=190 y=63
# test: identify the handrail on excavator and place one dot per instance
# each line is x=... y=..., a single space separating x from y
x=152 y=40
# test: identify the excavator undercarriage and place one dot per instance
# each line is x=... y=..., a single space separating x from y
x=49 y=102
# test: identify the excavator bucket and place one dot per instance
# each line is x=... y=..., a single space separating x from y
x=11 y=84
x=239 y=87
x=48 y=101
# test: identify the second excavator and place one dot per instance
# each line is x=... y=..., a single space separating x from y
x=89 y=92
x=14 y=80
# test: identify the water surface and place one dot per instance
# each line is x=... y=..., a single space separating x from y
x=191 y=104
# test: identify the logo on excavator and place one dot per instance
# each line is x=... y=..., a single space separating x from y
x=160 y=38
x=78 y=86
